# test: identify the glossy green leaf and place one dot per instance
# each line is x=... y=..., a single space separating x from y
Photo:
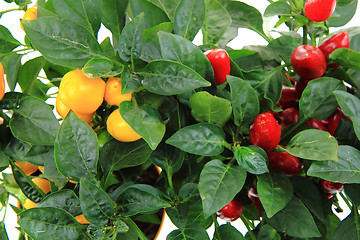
x=345 y=170
x=284 y=45
x=244 y=101
x=191 y=232
x=313 y=144
x=145 y=120
x=86 y=13
x=252 y=161
x=170 y=78
x=142 y=198
x=227 y=231
x=296 y=220
x=11 y=64
x=34 y=122
x=130 y=42
x=201 y=139
x=3 y=233
x=342 y=14
x=309 y=194
x=62 y=42
x=275 y=191
x=353 y=192
x=349 y=228
x=29 y=72
x=49 y=223
x=168 y=158
x=64 y=199
x=101 y=67
x=95 y=203
x=168 y=6
x=7 y=41
x=153 y=15
x=246 y=16
x=217 y=20
x=266 y=232
x=76 y=149
x=113 y=17
x=210 y=109
x=39 y=155
x=346 y=57
x=130 y=82
x=344 y=2
x=178 y=49
x=277 y=8
x=218 y=185
x=351 y=108
x=189 y=18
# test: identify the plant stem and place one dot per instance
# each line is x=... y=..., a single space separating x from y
x=140 y=234
x=345 y=200
x=216 y=224
x=247 y=225
x=305 y=33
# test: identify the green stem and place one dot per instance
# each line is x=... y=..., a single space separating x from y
x=247 y=225
x=140 y=234
x=345 y=200
x=305 y=33
x=216 y=224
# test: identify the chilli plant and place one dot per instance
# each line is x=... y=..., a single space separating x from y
x=146 y=122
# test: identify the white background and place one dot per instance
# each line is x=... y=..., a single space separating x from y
x=246 y=37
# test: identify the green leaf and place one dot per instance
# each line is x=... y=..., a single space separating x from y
x=113 y=17
x=266 y=232
x=168 y=158
x=244 y=101
x=34 y=122
x=217 y=20
x=116 y=155
x=64 y=199
x=170 y=78
x=101 y=67
x=76 y=149
x=145 y=120
x=189 y=18
x=95 y=203
x=201 y=139
x=284 y=45
x=218 y=185
x=130 y=82
x=251 y=160
x=3 y=233
x=49 y=223
x=313 y=144
x=227 y=231
x=191 y=232
x=178 y=49
x=168 y=6
x=7 y=41
x=210 y=109
x=346 y=57
x=142 y=198
x=296 y=220
x=277 y=8
x=351 y=108
x=275 y=191
x=345 y=170
x=353 y=192
x=309 y=194
x=349 y=228
x=29 y=72
x=153 y=15
x=11 y=64
x=130 y=42
x=86 y=13
x=62 y=42
x=246 y=16
x=342 y=14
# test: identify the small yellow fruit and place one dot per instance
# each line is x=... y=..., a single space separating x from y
x=63 y=111
x=27 y=167
x=113 y=94
x=119 y=129
x=29 y=204
x=30 y=14
x=81 y=219
x=43 y=184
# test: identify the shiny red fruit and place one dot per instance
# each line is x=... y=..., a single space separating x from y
x=319 y=10
x=334 y=121
x=289 y=116
x=332 y=187
x=300 y=86
x=288 y=98
x=285 y=162
x=220 y=63
x=231 y=211
x=340 y=40
x=316 y=124
x=265 y=132
x=308 y=62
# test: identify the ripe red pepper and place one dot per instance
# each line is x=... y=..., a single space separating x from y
x=319 y=10
x=331 y=187
x=300 y=86
x=316 y=124
x=340 y=40
x=288 y=98
x=231 y=211
x=220 y=63
x=308 y=62
x=265 y=132
x=289 y=116
x=284 y=162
